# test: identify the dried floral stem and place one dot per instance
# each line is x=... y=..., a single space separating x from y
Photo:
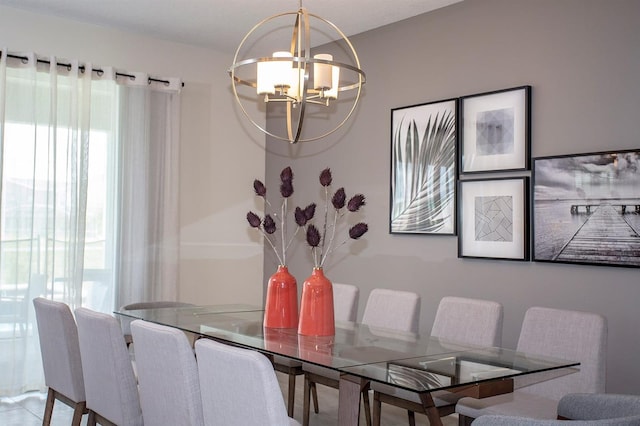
x=324 y=227
x=333 y=248
x=283 y=230
x=333 y=234
x=291 y=239
x=266 y=237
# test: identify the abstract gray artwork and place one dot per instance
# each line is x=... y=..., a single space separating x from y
x=494 y=218
x=495 y=132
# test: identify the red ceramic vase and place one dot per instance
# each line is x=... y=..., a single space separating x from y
x=281 y=306
x=316 y=306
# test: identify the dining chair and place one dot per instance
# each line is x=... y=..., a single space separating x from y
x=109 y=380
x=167 y=375
x=345 y=308
x=580 y=410
x=61 y=361
x=126 y=321
x=239 y=387
x=558 y=333
x=459 y=320
x=386 y=309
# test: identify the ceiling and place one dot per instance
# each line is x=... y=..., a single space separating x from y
x=221 y=24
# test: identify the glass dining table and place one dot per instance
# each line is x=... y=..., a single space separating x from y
x=364 y=354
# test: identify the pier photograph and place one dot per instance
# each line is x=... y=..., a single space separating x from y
x=586 y=208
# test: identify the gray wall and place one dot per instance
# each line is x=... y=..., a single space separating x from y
x=582 y=58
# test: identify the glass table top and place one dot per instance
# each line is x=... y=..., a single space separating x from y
x=414 y=362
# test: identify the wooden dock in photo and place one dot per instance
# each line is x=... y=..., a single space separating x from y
x=605 y=237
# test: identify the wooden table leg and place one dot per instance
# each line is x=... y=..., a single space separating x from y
x=349 y=399
x=432 y=411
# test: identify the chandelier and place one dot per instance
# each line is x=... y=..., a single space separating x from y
x=316 y=84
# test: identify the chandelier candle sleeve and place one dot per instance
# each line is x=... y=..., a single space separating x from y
x=322 y=72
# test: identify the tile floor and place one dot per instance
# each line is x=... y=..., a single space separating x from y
x=27 y=410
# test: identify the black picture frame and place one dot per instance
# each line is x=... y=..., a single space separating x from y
x=493 y=218
x=424 y=168
x=495 y=131
x=586 y=208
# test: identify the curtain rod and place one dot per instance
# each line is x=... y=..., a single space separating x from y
x=98 y=71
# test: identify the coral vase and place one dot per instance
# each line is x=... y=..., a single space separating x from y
x=281 y=307
x=316 y=306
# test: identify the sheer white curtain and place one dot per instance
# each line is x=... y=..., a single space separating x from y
x=149 y=157
x=88 y=160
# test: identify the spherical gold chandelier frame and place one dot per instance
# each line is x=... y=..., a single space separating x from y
x=300 y=58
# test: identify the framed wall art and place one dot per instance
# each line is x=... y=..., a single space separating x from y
x=495 y=131
x=423 y=168
x=494 y=218
x=586 y=208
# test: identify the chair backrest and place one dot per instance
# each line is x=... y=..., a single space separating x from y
x=392 y=309
x=59 y=348
x=598 y=406
x=492 y=420
x=345 y=302
x=471 y=321
x=109 y=381
x=167 y=375
x=238 y=386
x=570 y=335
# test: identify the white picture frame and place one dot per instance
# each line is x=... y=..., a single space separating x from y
x=495 y=131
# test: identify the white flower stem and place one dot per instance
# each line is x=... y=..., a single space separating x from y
x=333 y=234
x=324 y=228
x=283 y=230
x=292 y=238
x=332 y=249
x=266 y=237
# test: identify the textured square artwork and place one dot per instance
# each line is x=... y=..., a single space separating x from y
x=495 y=132
x=494 y=218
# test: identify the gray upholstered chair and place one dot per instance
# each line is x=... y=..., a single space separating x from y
x=109 y=381
x=60 y=358
x=392 y=309
x=460 y=320
x=570 y=335
x=239 y=387
x=385 y=309
x=345 y=308
x=583 y=410
x=345 y=302
x=167 y=375
x=126 y=321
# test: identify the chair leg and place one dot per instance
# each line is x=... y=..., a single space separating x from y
x=412 y=417
x=367 y=405
x=307 y=402
x=314 y=395
x=291 y=395
x=78 y=411
x=91 y=421
x=464 y=420
x=377 y=408
x=48 y=409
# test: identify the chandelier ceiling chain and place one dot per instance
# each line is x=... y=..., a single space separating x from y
x=297 y=79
